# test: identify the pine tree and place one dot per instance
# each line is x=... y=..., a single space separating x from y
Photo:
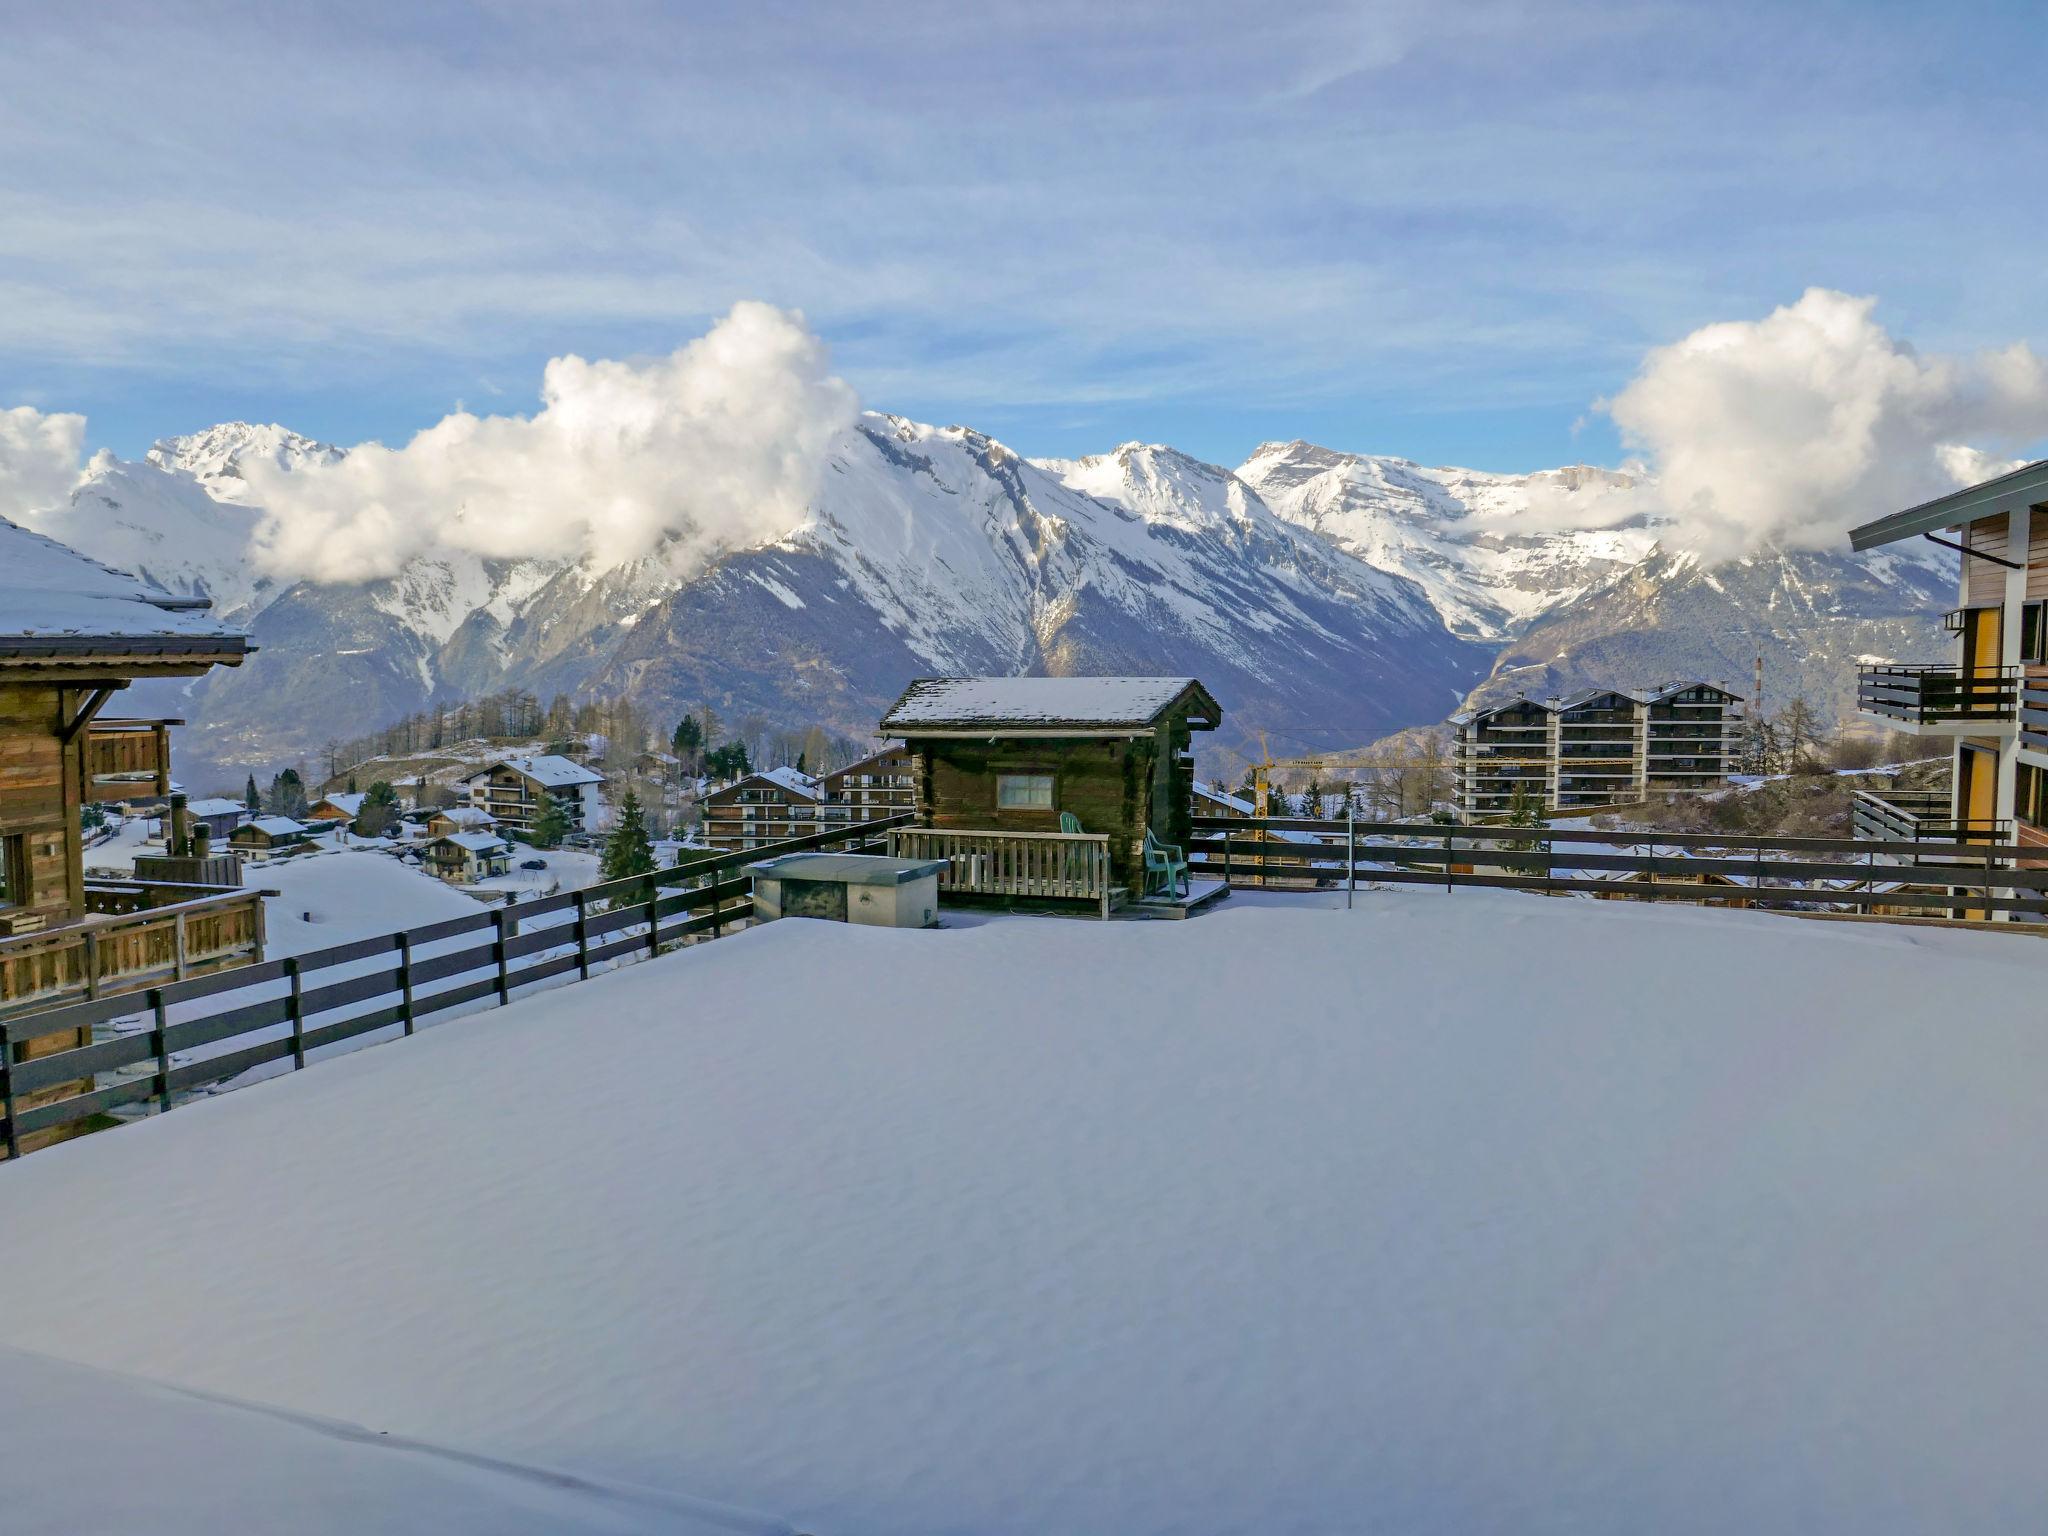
x=552 y=824
x=287 y=795
x=380 y=809
x=251 y=799
x=627 y=852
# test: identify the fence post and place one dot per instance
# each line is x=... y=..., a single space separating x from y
x=1449 y=883
x=1228 y=883
x=711 y=876
x=1350 y=853
x=582 y=936
x=653 y=916
x=163 y=1051
x=297 y=1008
x=498 y=953
x=405 y=981
x=7 y=1093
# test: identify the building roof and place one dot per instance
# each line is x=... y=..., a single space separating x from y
x=1045 y=704
x=55 y=601
x=348 y=805
x=1467 y=717
x=2022 y=487
x=548 y=770
x=782 y=778
x=865 y=764
x=217 y=807
x=1221 y=796
x=475 y=842
x=466 y=816
x=273 y=826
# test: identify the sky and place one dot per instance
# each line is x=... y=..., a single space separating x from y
x=1448 y=231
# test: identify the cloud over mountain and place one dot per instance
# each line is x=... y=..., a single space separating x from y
x=38 y=458
x=717 y=445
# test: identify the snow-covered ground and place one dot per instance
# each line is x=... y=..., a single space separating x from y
x=1455 y=1212
x=347 y=894
x=562 y=869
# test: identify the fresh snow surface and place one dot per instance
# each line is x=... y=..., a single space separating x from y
x=550 y=770
x=112 y=1454
x=1472 y=1212
x=47 y=588
x=338 y=897
x=1106 y=701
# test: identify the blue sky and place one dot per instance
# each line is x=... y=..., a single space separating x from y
x=1433 y=229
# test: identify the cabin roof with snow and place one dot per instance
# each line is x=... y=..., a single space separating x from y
x=548 y=770
x=57 y=604
x=348 y=805
x=217 y=807
x=1047 y=706
x=467 y=816
x=803 y=786
x=472 y=842
x=274 y=826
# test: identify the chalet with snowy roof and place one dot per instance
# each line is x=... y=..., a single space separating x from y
x=73 y=633
x=336 y=808
x=1107 y=759
x=463 y=858
x=217 y=815
x=513 y=789
x=762 y=808
x=263 y=837
x=460 y=818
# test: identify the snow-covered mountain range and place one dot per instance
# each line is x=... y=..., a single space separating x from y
x=1328 y=598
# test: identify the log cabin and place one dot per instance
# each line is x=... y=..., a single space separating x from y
x=73 y=633
x=264 y=837
x=1012 y=754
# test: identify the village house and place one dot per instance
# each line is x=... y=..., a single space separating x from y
x=343 y=808
x=514 y=788
x=264 y=837
x=73 y=633
x=460 y=818
x=1989 y=701
x=762 y=808
x=1103 y=765
x=880 y=784
x=463 y=858
x=218 y=816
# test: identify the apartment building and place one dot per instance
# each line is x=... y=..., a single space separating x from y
x=513 y=789
x=1989 y=699
x=883 y=783
x=762 y=808
x=1597 y=747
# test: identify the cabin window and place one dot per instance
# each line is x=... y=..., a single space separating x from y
x=1024 y=791
x=2034 y=633
x=14 y=883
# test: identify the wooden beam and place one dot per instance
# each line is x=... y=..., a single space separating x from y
x=94 y=703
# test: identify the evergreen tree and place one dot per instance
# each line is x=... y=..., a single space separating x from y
x=627 y=852
x=552 y=824
x=287 y=795
x=687 y=738
x=380 y=810
x=250 y=798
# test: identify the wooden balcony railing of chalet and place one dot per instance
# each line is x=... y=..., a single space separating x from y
x=128 y=759
x=1059 y=866
x=139 y=934
x=1939 y=695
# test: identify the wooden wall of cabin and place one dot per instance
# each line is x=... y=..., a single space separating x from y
x=1107 y=784
x=1986 y=578
x=39 y=795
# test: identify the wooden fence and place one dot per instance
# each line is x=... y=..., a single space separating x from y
x=1934 y=878
x=1055 y=865
x=289 y=1008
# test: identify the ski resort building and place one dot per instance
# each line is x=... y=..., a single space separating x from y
x=1023 y=760
x=762 y=808
x=513 y=789
x=1597 y=747
x=1989 y=699
x=880 y=784
x=73 y=633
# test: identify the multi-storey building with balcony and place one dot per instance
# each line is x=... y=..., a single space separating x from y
x=762 y=808
x=881 y=784
x=1599 y=747
x=513 y=790
x=73 y=633
x=1988 y=700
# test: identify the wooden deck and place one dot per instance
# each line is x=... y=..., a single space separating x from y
x=1203 y=893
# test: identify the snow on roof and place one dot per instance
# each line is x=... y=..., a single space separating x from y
x=274 y=826
x=49 y=590
x=475 y=842
x=790 y=779
x=549 y=770
x=349 y=805
x=1131 y=1273
x=217 y=807
x=1097 y=702
x=1223 y=796
x=465 y=816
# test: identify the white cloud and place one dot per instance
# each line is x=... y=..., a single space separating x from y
x=39 y=458
x=1791 y=429
x=720 y=443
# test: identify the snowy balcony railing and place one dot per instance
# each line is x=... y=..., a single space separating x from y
x=1939 y=696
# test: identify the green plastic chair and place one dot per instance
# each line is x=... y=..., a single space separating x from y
x=1069 y=822
x=1166 y=863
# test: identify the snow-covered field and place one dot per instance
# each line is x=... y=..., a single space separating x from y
x=1473 y=1212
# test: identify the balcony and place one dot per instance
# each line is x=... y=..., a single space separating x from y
x=137 y=934
x=128 y=759
x=1920 y=816
x=2034 y=715
x=1947 y=700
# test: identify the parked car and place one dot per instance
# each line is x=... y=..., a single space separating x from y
x=533 y=863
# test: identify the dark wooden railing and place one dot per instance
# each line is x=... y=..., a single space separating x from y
x=2034 y=714
x=1939 y=695
x=286 y=1009
x=1919 y=816
x=1801 y=874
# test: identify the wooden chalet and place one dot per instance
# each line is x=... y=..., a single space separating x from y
x=263 y=837
x=460 y=818
x=463 y=858
x=337 y=809
x=999 y=761
x=73 y=633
